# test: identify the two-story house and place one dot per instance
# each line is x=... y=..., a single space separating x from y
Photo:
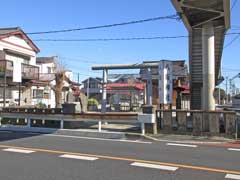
x=17 y=65
x=41 y=91
x=92 y=87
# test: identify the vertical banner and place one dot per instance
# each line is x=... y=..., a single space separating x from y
x=165 y=82
x=17 y=71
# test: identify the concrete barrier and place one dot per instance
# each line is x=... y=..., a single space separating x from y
x=203 y=122
x=182 y=121
x=197 y=118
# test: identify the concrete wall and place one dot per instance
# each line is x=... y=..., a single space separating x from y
x=202 y=122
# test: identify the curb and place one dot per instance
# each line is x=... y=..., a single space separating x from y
x=190 y=141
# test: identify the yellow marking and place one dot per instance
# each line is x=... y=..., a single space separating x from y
x=127 y=159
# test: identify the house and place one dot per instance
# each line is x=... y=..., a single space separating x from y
x=123 y=93
x=17 y=65
x=41 y=89
x=92 y=87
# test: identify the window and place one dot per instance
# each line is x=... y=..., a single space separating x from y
x=37 y=93
x=49 y=70
x=92 y=85
x=25 y=61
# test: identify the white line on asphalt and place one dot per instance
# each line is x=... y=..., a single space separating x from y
x=233 y=149
x=33 y=133
x=101 y=139
x=18 y=150
x=6 y=131
x=183 y=145
x=155 y=166
x=78 y=157
x=232 y=176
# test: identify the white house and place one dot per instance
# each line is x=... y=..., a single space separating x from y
x=17 y=65
x=42 y=92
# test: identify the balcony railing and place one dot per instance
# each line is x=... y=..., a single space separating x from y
x=6 y=67
x=28 y=71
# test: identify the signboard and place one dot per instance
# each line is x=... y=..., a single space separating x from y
x=165 y=82
x=17 y=71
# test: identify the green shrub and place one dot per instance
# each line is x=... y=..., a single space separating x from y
x=41 y=105
x=2 y=69
x=92 y=101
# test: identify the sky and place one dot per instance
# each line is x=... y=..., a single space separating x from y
x=44 y=15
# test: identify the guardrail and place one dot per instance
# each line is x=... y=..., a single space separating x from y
x=32 y=117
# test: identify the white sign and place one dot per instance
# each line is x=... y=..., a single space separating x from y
x=17 y=71
x=165 y=82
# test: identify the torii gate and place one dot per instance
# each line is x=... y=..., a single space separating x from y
x=147 y=66
x=105 y=69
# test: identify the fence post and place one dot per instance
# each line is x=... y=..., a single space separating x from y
x=143 y=128
x=61 y=124
x=28 y=122
x=236 y=134
x=99 y=126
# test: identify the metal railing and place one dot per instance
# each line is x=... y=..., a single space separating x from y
x=6 y=67
x=30 y=71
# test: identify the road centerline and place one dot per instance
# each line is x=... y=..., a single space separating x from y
x=154 y=166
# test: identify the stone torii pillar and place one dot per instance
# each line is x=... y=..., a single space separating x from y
x=208 y=65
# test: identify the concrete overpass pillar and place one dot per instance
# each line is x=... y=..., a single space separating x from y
x=208 y=64
x=104 y=91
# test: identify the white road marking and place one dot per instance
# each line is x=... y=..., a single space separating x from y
x=101 y=139
x=6 y=131
x=183 y=145
x=33 y=133
x=78 y=157
x=232 y=176
x=155 y=166
x=233 y=149
x=18 y=150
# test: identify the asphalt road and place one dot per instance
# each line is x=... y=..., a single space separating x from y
x=26 y=156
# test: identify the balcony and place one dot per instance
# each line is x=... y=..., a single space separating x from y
x=6 y=67
x=28 y=71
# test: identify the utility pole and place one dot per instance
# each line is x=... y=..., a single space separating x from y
x=5 y=84
x=88 y=88
x=19 y=94
x=219 y=96
x=226 y=90
x=78 y=77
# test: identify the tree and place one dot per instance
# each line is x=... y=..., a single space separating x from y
x=222 y=94
x=60 y=77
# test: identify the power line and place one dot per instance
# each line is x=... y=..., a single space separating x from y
x=77 y=59
x=113 y=39
x=174 y=17
x=234 y=4
x=232 y=41
x=122 y=39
